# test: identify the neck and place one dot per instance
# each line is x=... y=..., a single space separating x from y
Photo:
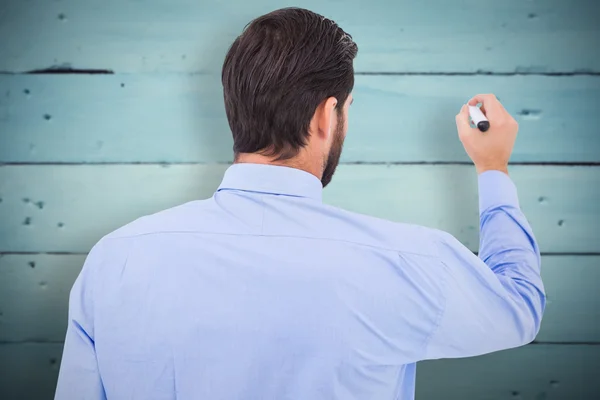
x=301 y=161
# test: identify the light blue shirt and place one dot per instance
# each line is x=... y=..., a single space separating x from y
x=263 y=292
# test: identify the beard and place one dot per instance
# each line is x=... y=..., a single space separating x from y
x=333 y=158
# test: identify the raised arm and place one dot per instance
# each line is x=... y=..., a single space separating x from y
x=496 y=300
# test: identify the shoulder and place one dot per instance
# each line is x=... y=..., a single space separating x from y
x=170 y=219
x=114 y=248
x=118 y=243
x=389 y=235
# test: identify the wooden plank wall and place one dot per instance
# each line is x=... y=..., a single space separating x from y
x=111 y=109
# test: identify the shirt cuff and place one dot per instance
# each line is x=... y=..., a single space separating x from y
x=496 y=189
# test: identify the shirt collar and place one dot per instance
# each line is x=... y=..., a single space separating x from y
x=272 y=179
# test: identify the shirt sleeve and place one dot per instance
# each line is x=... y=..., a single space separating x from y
x=79 y=376
x=496 y=300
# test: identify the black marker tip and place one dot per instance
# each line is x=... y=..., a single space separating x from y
x=483 y=125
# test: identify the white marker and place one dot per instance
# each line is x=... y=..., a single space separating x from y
x=479 y=119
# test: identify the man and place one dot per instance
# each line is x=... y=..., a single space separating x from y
x=264 y=292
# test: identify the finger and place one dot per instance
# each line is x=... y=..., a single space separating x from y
x=462 y=121
x=478 y=100
x=482 y=108
x=490 y=105
x=481 y=98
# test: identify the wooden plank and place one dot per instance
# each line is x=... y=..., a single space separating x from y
x=34 y=295
x=572 y=302
x=29 y=370
x=68 y=208
x=188 y=35
x=181 y=118
x=536 y=372
x=532 y=372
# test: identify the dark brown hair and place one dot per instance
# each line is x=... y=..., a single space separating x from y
x=275 y=75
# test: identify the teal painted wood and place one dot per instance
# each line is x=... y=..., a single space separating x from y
x=68 y=208
x=190 y=35
x=29 y=370
x=572 y=304
x=535 y=372
x=530 y=372
x=34 y=295
x=181 y=118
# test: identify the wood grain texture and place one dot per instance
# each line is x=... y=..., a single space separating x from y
x=536 y=372
x=68 y=208
x=181 y=118
x=188 y=35
x=29 y=371
x=34 y=296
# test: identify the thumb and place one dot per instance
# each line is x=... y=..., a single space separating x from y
x=462 y=123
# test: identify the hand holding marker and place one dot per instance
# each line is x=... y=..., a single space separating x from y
x=479 y=118
x=492 y=150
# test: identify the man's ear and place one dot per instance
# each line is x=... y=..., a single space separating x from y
x=325 y=117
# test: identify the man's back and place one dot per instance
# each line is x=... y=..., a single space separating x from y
x=264 y=292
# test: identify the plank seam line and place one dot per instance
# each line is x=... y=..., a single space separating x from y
x=550 y=342
x=484 y=73
x=58 y=70
x=101 y=71
x=534 y=343
x=166 y=164
x=78 y=253
x=31 y=342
